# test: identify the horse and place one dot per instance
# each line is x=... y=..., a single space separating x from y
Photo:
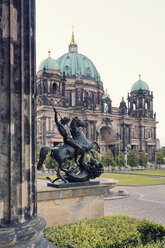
x=66 y=153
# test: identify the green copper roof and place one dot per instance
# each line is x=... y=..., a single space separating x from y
x=77 y=65
x=140 y=85
x=49 y=64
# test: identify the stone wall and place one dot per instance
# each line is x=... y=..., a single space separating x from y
x=61 y=206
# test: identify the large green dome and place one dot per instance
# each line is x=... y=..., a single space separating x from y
x=75 y=64
x=49 y=64
x=140 y=85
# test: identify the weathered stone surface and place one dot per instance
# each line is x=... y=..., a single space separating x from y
x=28 y=234
x=61 y=206
x=18 y=211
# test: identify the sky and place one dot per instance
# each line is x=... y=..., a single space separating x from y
x=123 y=38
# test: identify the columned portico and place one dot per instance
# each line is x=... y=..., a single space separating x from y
x=19 y=224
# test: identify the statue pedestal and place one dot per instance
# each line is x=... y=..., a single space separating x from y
x=69 y=185
x=64 y=205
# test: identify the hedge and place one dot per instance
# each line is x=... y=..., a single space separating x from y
x=118 y=231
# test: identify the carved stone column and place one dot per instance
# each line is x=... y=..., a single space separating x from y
x=19 y=224
x=94 y=130
x=43 y=131
x=123 y=126
x=141 y=138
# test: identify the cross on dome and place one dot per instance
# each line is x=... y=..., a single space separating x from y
x=73 y=39
x=49 y=52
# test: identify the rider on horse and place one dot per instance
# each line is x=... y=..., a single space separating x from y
x=65 y=133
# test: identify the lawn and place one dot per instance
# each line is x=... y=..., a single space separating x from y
x=146 y=172
x=44 y=177
x=133 y=180
x=127 y=179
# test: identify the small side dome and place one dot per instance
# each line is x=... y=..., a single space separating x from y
x=140 y=85
x=49 y=64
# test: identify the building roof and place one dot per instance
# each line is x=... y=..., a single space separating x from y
x=49 y=64
x=140 y=85
x=78 y=65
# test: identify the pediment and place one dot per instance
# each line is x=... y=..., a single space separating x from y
x=150 y=141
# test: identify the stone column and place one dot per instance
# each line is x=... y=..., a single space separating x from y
x=19 y=224
x=94 y=130
x=124 y=137
x=43 y=131
x=141 y=138
x=130 y=138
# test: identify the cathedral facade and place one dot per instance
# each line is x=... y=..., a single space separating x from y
x=72 y=84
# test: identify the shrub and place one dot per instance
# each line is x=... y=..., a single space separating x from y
x=158 y=244
x=150 y=231
x=110 y=231
x=118 y=231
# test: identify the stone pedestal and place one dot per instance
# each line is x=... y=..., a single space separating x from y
x=19 y=224
x=65 y=205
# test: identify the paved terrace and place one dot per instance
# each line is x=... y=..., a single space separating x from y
x=143 y=202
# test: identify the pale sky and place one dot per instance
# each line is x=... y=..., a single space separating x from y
x=123 y=38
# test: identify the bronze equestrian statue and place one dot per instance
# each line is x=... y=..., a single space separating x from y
x=73 y=146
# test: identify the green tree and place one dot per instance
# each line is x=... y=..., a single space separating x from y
x=159 y=157
x=37 y=160
x=132 y=159
x=96 y=155
x=72 y=164
x=108 y=160
x=163 y=150
x=50 y=163
x=120 y=161
x=86 y=158
x=143 y=159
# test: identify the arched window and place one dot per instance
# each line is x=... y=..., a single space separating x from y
x=140 y=103
x=45 y=86
x=54 y=88
x=67 y=70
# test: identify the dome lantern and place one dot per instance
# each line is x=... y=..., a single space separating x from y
x=73 y=48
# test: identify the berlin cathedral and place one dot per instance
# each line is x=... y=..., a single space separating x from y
x=72 y=84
